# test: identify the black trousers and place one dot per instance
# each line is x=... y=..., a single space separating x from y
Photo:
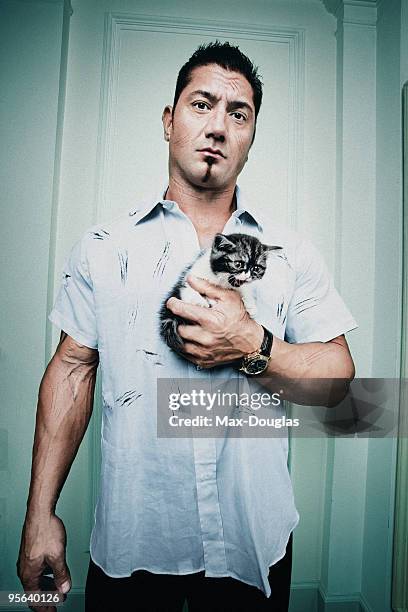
x=147 y=592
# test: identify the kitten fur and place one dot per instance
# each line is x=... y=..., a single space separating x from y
x=233 y=261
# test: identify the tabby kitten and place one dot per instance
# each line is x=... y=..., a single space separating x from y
x=232 y=262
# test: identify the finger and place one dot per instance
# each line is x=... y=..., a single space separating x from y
x=192 y=350
x=197 y=314
x=62 y=577
x=196 y=334
x=204 y=365
x=198 y=357
x=205 y=288
x=30 y=575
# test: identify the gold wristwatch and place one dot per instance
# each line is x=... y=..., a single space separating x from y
x=257 y=362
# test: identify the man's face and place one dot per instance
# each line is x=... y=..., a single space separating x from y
x=211 y=129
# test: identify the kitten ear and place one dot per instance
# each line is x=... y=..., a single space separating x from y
x=222 y=243
x=267 y=247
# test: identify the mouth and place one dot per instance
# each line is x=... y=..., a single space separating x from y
x=235 y=282
x=210 y=152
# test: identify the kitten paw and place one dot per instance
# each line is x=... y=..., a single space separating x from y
x=193 y=297
x=252 y=310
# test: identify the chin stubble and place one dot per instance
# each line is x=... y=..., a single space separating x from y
x=210 y=160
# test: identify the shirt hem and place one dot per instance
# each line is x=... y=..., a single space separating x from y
x=209 y=574
x=280 y=556
x=329 y=335
x=147 y=569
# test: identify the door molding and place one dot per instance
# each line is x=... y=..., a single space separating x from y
x=400 y=556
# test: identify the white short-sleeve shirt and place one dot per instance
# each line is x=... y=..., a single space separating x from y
x=183 y=505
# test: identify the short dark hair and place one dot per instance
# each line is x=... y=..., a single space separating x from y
x=228 y=57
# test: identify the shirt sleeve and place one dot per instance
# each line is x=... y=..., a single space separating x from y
x=74 y=308
x=316 y=312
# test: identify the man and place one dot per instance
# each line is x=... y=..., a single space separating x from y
x=208 y=520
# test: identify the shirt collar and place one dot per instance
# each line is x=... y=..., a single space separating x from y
x=244 y=210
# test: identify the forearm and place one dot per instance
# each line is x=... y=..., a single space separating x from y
x=64 y=409
x=311 y=373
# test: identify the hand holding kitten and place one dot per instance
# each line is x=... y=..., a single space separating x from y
x=218 y=335
x=233 y=262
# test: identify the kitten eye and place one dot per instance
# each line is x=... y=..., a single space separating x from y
x=257 y=268
x=239 y=265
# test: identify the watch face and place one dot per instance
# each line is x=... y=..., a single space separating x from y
x=257 y=365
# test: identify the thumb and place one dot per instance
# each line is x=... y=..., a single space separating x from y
x=62 y=576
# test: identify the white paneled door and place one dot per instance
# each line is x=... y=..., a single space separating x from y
x=141 y=60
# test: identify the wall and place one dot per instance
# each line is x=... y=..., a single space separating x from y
x=31 y=59
x=400 y=551
x=377 y=551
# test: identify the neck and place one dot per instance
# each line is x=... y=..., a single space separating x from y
x=205 y=207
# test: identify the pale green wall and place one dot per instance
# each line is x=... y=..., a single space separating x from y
x=381 y=460
x=30 y=55
x=32 y=73
x=388 y=218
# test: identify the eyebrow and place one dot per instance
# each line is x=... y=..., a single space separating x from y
x=234 y=105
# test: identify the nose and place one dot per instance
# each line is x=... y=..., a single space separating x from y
x=215 y=127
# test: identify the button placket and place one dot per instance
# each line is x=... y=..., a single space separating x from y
x=208 y=505
x=205 y=463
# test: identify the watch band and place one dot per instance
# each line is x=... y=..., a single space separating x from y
x=267 y=342
x=255 y=363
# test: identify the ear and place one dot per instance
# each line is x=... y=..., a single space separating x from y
x=267 y=247
x=167 y=120
x=222 y=243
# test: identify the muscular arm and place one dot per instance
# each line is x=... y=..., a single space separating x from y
x=315 y=373
x=64 y=408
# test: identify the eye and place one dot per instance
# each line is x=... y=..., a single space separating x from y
x=257 y=269
x=239 y=117
x=239 y=265
x=201 y=106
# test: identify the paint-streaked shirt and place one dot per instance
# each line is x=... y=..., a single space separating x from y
x=182 y=505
